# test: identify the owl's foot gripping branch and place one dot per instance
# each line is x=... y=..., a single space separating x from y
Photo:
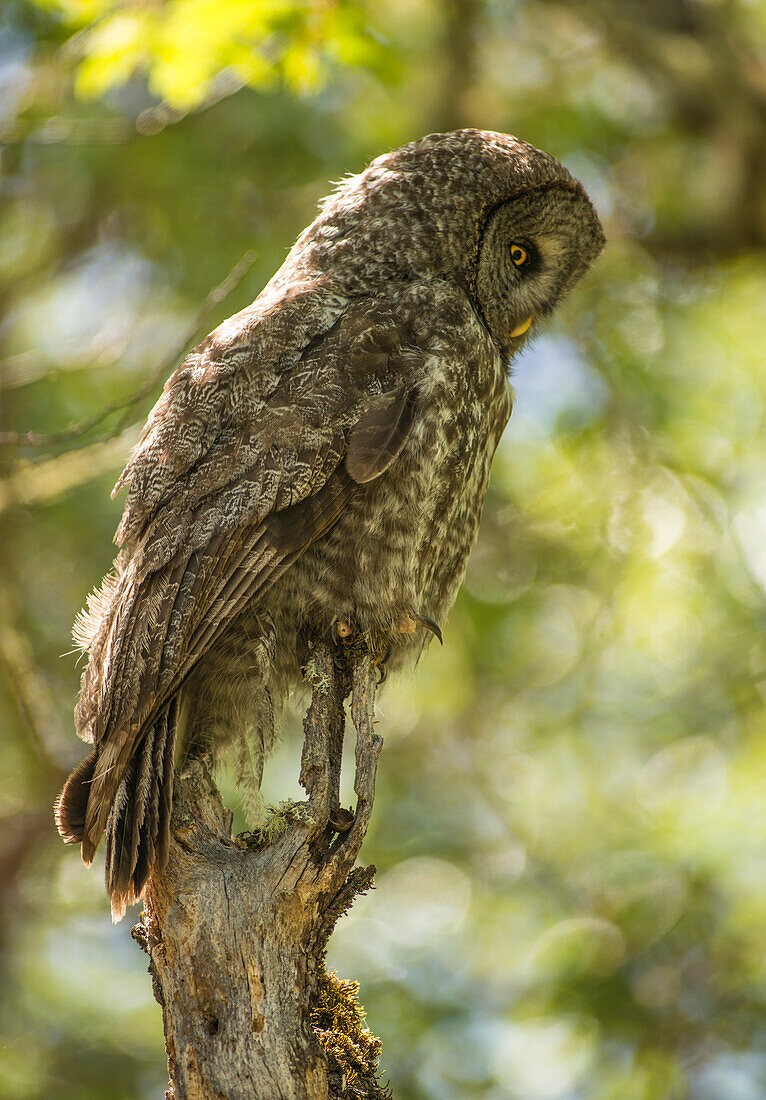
x=237 y=935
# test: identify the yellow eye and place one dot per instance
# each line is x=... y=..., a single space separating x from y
x=519 y=255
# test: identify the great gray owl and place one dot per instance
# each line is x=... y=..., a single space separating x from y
x=321 y=458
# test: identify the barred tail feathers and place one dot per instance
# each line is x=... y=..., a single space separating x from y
x=138 y=823
x=138 y=827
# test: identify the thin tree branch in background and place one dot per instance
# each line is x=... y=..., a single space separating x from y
x=33 y=696
x=237 y=932
x=32 y=482
x=214 y=298
x=34 y=364
x=460 y=64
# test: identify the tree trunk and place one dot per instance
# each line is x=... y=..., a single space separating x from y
x=458 y=59
x=236 y=932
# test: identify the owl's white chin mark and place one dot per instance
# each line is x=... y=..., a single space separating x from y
x=521 y=328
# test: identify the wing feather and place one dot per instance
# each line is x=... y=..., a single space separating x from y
x=380 y=434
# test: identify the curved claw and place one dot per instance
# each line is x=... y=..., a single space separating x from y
x=382 y=666
x=429 y=624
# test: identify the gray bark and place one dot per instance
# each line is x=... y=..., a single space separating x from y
x=236 y=935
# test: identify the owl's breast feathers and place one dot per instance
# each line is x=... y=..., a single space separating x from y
x=258 y=445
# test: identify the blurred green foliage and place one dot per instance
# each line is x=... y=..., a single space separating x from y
x=570 y=826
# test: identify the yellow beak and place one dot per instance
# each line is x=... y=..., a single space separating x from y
x=522 y=328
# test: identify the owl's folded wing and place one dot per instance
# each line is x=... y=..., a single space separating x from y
x=272 y=480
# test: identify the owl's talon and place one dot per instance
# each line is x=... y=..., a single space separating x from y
x=382 y=666
x=410 y=623
x=429 y=624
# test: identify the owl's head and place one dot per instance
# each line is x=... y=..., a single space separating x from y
x=487 y=211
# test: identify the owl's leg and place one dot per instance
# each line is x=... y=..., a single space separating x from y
x=351 y=638
x=354 y=641
x=347 y=634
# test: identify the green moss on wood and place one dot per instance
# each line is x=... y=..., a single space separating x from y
x=352 y=1050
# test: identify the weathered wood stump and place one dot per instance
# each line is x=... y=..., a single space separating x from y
x=237 y=934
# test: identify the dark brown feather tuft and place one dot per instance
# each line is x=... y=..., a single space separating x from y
x=72 y=803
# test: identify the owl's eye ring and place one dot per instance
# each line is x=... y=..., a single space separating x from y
x=519 y=255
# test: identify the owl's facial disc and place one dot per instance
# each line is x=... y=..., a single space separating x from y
x=533 y=248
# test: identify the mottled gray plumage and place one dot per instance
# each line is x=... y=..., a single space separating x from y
x=322 y=456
